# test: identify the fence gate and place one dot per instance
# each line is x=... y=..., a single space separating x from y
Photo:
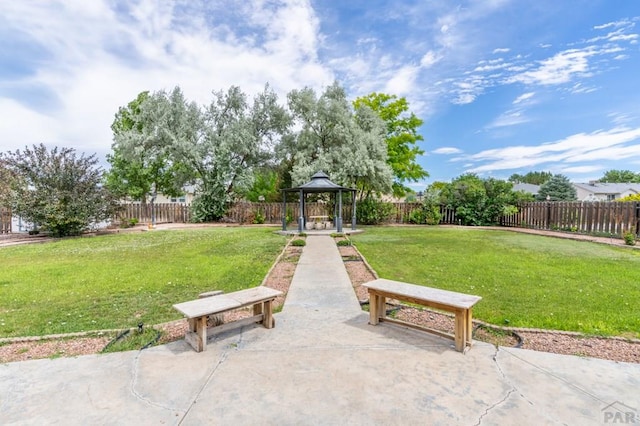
x=5 y=220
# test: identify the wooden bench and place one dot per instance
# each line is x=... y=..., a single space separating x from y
x=460 y=304
x=197 y=312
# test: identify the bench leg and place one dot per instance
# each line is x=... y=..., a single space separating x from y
x=268 y=321
x=469 y=321
x=377 y=304
x=197 y=334
x=373 y=309
x=460 y=336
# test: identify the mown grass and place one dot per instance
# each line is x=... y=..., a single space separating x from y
x=525 y=280
x=118 y=281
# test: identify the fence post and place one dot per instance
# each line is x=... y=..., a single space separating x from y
x=548 y=224
x=637 y=218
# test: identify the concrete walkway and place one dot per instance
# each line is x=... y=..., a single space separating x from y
x=321 y=364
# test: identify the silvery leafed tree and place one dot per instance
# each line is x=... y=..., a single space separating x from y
x=348 y=145
x=216 y=148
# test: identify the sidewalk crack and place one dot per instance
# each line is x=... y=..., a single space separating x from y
x=506 y=397
x=221 y=361
x=134 y=382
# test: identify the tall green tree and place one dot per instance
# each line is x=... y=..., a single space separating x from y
x=533 y=178
x=348 y=145
x=238 y=138
x=265 y=187
x=6 y=178
x=143 y=161
x=558 y=188
x=402 y=137
x=620 y=176
x=57 y=190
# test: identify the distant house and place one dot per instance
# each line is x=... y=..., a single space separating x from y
x=186 y=198
x=527 y=187
x=597 y=191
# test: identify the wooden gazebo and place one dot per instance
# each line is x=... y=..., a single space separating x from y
x=319 y=183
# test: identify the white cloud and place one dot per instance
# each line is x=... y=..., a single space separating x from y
x=447 y=150
x=21 y=126
x=98 y=57
x=403 y=81
x=581 y=169
x=464 y=98
x=501 y=50
x=581 y=88
x=509 y=118
x=524 y=97
x=625 y=37
x=560 y=68
x=620 y=118
x=429 y=59
x=614 y=144
x=611 y=24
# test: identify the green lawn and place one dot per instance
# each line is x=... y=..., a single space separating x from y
x=525 y=280
x=117 y=281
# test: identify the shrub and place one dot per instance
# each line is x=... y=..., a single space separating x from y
x=209 y=205
x=371 y=211
x=289 y=216
x=129 y=223
x=259 y=218
x=633 y=197
x=57 y=190
x=343 y=243
x=630 y=237
x=298 y=243
x=429 y=215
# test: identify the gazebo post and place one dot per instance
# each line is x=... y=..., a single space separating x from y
x=284 y=210
x=301 y=217
x=353 y=212
x=339 y=221
x=335 y=211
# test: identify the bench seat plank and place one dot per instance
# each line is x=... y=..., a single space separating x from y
x=254 y=295
x=207 y=306
x=445 y=297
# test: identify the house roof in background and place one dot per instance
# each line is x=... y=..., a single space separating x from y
x=608 y=188
x=527 y=187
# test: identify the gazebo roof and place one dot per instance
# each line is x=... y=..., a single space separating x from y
x=320 y=183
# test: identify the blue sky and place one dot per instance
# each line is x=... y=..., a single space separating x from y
x=504 y=86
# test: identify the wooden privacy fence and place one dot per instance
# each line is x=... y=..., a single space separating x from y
x=404 y=210
x=164 y=212
x=245 y=212
x=605 y=217
x=5 y=220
